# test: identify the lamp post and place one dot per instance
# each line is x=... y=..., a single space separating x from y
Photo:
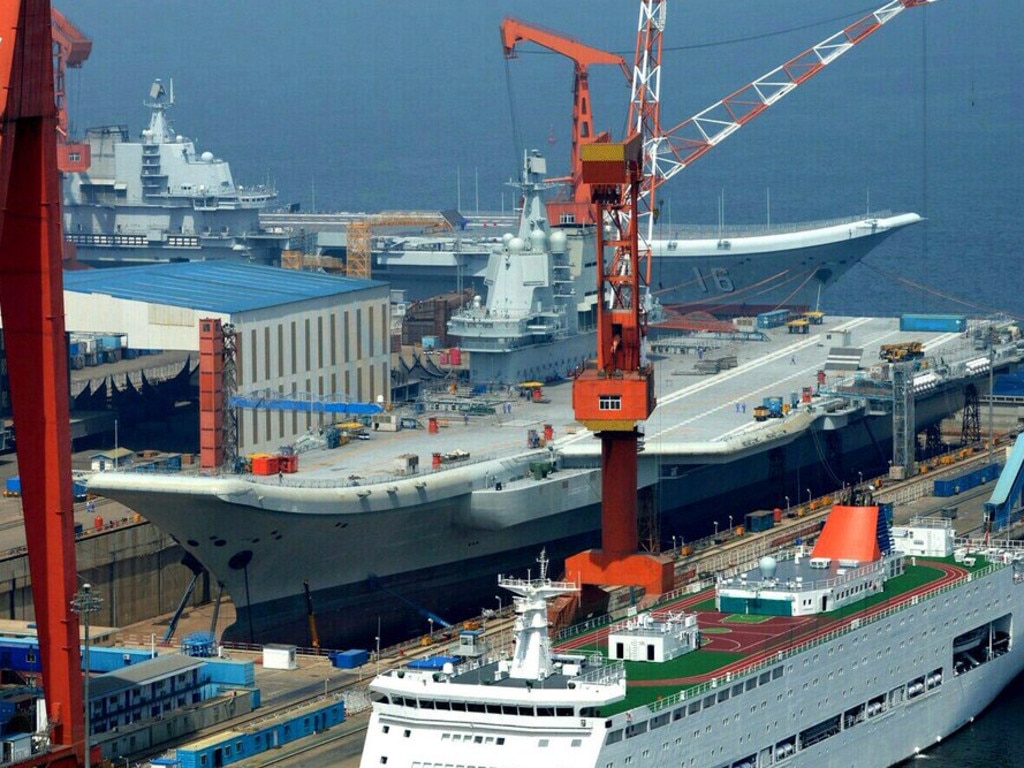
x=809 y=496
x=498 y=598
x=787 y=506
x=84 y=604
x=431 y=629
x=860 y=476
x=991 y=373
x=730 y=525
x=378 y=654
x=673 y=544
x=716 y=529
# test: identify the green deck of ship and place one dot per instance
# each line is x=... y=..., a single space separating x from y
x=666 y=682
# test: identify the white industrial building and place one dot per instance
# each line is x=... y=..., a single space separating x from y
x=304 y=334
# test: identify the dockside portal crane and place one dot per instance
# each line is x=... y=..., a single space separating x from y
x=612 y=398
x=578 y=210
x=32 y=302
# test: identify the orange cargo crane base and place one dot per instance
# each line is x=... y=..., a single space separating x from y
x=613 y=397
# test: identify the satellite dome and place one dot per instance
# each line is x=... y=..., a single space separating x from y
x=516 y=245
x=505 y=238
x=767 y=566
x=207 y=157
x=538 y=239
x=557 y=241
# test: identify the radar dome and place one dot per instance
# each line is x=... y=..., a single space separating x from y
x=767 y=566
x=538 y=239
x=557 y=241
x=505 y=238
x=180 y=139
x=207 y=157
x=516 y=245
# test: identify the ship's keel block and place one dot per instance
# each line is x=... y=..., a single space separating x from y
x=655 y=573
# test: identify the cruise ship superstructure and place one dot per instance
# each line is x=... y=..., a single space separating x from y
x=849 y=653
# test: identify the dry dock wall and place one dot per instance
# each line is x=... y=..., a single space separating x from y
x=134 y=567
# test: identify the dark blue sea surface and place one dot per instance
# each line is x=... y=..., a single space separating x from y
x=411 y=105
x=406 y=104
x=989 y=742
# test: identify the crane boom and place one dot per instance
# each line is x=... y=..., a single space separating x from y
x=579 y=209
x=645 y=110
x=697 y=135
x=32 y=301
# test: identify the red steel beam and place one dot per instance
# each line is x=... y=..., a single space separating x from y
x=32 y=302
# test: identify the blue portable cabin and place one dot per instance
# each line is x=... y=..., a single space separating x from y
x=238 y=672
x=20 y=654
x=232 y=746
x=104 y=659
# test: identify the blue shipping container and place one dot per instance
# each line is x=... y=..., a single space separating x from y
x=756 y=522
x=954 y=485
x=933 y=323
x=773 y=319
x=349 y=659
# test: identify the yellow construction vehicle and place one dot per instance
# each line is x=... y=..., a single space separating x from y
x=901 y=351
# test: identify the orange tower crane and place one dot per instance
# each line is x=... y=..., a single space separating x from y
x=614 y=397
x=359 y=235
x=71 y=49
x=32 y=302
x=578 y=210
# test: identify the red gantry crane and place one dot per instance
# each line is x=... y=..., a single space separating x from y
x=32 y=302
x=578 y=210
x=612 y=398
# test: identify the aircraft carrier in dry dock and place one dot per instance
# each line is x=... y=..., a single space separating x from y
x=413 y=525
